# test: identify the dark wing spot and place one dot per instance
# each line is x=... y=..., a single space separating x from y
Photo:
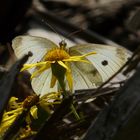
x=104 y=62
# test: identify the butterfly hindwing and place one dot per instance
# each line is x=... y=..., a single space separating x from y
x=85 y=76
x=41 y=83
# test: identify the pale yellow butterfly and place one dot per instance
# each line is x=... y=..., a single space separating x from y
x=104 y=63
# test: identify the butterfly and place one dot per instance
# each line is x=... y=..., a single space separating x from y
x=107 y=61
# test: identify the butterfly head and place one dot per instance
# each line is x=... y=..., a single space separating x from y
x=63 y=44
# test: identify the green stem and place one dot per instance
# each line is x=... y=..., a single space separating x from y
x=59 y=73
x=75 y=112
x=62 y=85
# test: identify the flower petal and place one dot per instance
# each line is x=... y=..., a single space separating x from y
x=40 y=70
x=33 y=111
x=69 y=78
x=76 y=60
x=29 y=66
x=63 y=65
x=53 y=81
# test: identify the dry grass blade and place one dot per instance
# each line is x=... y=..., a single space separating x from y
x=7 y=83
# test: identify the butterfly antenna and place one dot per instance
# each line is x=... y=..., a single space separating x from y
x=50 y=26
x=75 y=32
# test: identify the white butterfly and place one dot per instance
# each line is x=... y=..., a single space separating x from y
x=104 y=63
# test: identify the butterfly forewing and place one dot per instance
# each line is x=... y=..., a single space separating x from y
x=107 y=59
x=38 y=46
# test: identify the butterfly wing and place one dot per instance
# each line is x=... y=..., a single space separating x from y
x=85 y=76
x=106 y=62
x=41 y=83
x=37 y=45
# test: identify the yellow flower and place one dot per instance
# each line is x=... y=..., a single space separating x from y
x=25 y=133
x=51 y=63
x=14 y=109
x=58 y=60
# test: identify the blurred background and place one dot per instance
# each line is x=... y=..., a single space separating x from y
x=111 y=22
